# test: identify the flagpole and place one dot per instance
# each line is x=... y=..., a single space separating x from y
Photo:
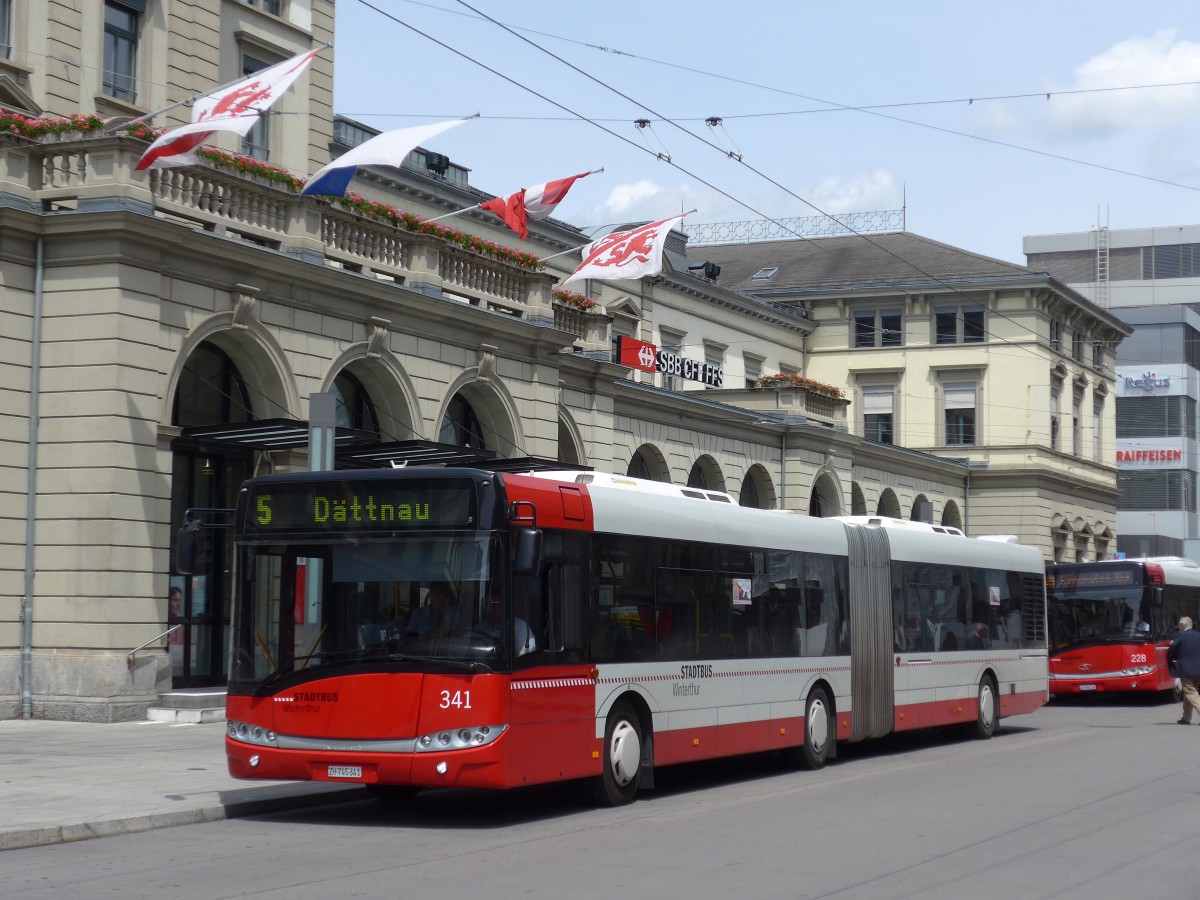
x=205 y=93
x=457 y=212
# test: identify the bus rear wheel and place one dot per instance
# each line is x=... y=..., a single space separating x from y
x=622 y=756
x=989 y=709
x=818 y=733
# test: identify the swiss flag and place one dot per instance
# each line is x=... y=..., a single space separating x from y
x=534 y=203
x=541 y=199
x=512 y=210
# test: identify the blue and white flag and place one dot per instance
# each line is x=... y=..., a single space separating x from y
x=388 y=149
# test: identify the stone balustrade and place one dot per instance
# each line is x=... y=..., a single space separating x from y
x=71 y=170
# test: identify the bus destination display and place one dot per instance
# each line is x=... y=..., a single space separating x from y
x=347 y=505
x=1091 y=577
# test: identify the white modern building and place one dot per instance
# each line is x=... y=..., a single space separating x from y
x=1150 y=279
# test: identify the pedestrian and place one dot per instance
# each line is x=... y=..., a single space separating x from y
x=1183 y=660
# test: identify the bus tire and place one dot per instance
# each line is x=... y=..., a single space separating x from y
x=622 y=756
x=818 y=736
x=988 y=713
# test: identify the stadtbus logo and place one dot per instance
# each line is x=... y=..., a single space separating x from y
x=1147 y=382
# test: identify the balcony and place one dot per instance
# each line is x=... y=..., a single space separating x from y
x=74 y=171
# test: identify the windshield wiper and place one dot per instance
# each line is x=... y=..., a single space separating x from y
x=462 y=665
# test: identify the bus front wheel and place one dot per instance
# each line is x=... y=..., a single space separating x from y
x=622 y=756
x=989 y=709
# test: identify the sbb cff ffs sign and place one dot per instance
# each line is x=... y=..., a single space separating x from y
x=646 y=357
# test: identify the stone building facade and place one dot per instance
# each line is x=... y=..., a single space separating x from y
x=165 y=335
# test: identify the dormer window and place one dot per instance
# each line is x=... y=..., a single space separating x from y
x=764 y=273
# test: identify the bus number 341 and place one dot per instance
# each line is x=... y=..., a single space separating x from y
x=457 y=699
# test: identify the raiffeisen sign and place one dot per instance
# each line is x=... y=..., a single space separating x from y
x=1163 y=455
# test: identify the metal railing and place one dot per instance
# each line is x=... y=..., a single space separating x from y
x=129 y=656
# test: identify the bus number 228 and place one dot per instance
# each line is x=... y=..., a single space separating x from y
x=456 y=699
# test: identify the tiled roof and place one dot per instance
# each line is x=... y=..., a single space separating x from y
x=851 y=260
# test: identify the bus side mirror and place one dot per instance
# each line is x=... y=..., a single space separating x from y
x=527 y=557
x=187 y=547
x=1156 y=596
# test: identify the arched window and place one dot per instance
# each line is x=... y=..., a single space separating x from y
x=354 y=407
x=696 y=477
x=639 y=468
x=461 y=426
x=211 y=391
x=749 y=493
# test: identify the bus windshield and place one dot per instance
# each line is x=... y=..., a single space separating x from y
x=430 y=598
x=1101 y=614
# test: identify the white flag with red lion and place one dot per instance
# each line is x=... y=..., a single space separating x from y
x=625 y=254
x=237 y=108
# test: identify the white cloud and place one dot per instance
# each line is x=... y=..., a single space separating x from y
x=1161 y=59
x=626 y=197
x=863 y=193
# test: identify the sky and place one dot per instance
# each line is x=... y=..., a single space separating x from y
x=939 y=108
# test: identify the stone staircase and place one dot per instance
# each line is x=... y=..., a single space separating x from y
x=189 y=706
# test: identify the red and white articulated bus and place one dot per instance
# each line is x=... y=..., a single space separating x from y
x=413 y=628
x=1111 y=622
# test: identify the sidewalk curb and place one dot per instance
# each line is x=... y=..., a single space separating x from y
x=235 y=808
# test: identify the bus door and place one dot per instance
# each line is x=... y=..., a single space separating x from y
x=872 y=672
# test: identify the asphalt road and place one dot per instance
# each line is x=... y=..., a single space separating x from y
x=1081 y=800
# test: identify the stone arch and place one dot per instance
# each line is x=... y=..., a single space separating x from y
x=1083 y=541
x=1104 y=540
x=391 y=390
x=889 y=505
x=649 y=462
x=706 y=474
x=570 y=440
x=922 y=509
x=258 y=357
x=858 y=501
x=826 y=497
x=952 y=516
x=1062 y=537
x=493 y=405
x=757 y=490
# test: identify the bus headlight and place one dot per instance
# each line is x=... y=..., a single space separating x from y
x=1139 y=670
x=250 y=734
x=459 y=739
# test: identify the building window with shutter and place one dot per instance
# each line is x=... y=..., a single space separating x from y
x=1097 y=426
x=959 y=413
x=879 y=417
